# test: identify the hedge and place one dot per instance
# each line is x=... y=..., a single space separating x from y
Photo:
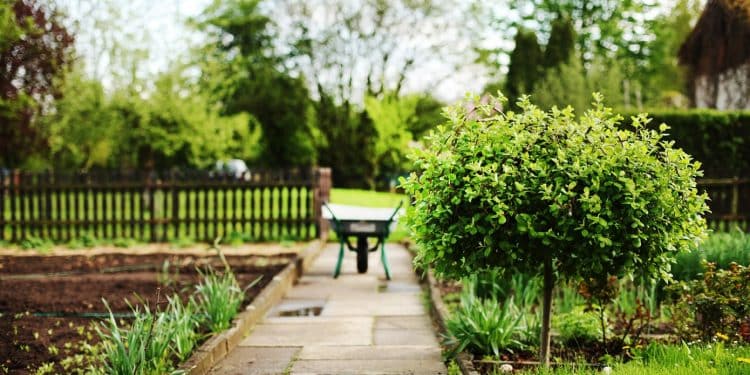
x=720 y=140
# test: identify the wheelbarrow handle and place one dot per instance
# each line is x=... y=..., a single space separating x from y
x=400 y=203
x=333 y=216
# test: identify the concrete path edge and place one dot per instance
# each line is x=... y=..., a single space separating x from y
x=218 y=346
x=440 y=315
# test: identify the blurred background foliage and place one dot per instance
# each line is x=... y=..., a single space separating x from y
x=280 y=83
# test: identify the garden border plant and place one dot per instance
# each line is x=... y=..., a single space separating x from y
x=548 y=193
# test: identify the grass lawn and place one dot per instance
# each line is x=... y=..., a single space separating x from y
x=658 y=359
x=370 y=198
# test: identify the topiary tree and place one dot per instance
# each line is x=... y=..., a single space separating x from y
x=546 y=193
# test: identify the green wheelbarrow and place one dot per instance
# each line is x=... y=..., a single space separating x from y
x=362 y=223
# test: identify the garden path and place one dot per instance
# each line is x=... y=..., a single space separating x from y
x=365 y=324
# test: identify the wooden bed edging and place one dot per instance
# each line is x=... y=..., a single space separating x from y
x=218 y=346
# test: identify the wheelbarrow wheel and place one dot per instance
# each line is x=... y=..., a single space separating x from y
x=362 y=253
x=362 y=260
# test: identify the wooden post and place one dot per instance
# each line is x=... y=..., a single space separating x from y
x=321 y=194
x=2 y=205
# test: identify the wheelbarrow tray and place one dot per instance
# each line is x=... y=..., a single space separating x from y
x=361 y=222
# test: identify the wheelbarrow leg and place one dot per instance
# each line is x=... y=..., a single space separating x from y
x=384 y=260
x=337 y=271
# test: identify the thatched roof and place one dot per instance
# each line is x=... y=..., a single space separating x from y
x=720 y=39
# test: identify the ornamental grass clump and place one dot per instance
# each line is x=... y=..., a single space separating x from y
x=552 y=194
x=219 y=297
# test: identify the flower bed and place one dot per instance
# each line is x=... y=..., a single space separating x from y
x=51 y=305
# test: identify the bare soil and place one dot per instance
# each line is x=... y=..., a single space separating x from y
x=50 y=304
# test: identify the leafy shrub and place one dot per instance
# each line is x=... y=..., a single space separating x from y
x=723 y=249
x=578 y=327
x=549 y=193
x=717 y=304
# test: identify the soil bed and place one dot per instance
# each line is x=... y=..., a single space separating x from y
x=50 y=304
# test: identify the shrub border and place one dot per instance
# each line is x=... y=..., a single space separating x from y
x=218 y=346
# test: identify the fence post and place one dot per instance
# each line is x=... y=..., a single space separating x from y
x=2 y=204
x=735 y=197
x=321 y=193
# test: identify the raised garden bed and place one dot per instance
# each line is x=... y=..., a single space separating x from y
x=50 y=304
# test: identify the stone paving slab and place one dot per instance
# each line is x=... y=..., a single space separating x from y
x=403 y=323
x=382 y=305
x=256 y=361
x=367 y=325
x=369 y=366
x=403 y=352
x=328 y=333
x=405 y=337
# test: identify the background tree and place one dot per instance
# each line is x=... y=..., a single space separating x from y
x=250 y=76
x=35 y=50
x=525 y=65
x=561 y=45
x=542 y=193
x=571 y=84
x=664 y=79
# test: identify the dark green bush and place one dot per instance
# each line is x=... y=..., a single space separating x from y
x=716 y=305
x=578 y=327
x=720 y=140
x=723 y=249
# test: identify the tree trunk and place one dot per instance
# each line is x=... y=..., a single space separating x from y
x=549 y=284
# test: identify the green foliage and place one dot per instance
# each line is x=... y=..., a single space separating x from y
x=391 y=116
x=567 y=298
x=664 y=359
x=718 y=139
x=525 y=65
x=183 y=326
x=36 y=243
x=181 y=242
x=154 y=339
x=722 y=249
x=662 y=76
x=176 y=125
x=142 y=348
x=244 y=72
x=35 y=51
x=219 y=296
x=569 y=83
x=484 y=326
x=578 y=328
x=428 y=113
x=561 y=45
x=715 y=305
x=347 y=141
x=509 y=190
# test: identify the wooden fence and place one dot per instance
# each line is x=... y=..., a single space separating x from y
x=257 y=205
x=729 y=202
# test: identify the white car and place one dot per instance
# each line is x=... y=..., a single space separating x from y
x=233 y=167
